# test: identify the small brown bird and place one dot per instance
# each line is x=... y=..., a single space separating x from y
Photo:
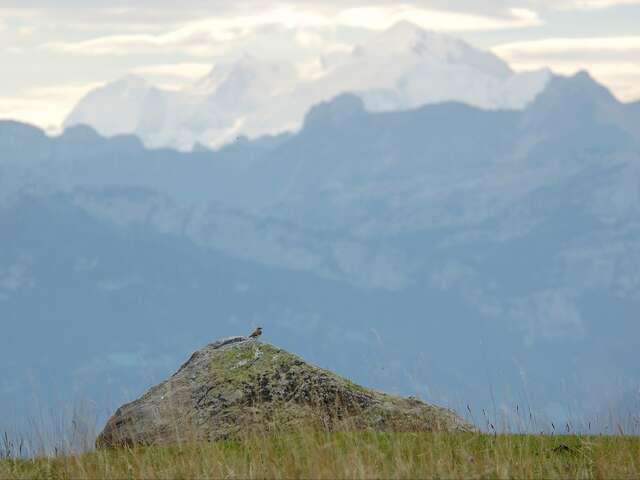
x=256 y=333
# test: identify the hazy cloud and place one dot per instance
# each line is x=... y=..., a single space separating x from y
x=214 y=36
x=45 y=106
x=211 y=36
x=570 y=47
x=173 y=76
x=19 y=12
x=593 y=4
x=183 y=70
x=384 y=16
x=125 y=6
x=547 y=315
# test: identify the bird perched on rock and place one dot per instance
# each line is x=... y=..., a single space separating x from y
x=256 y=333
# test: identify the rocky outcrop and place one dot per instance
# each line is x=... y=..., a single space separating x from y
x=237 y=385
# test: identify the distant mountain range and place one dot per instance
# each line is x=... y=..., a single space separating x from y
x=487 y=257
x=402 y=68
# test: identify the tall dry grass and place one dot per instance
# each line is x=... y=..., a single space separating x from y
x=311 y=453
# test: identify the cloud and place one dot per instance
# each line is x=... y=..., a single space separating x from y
x=190 y=42
x=309 y=38
x=44 y=106
x=21 y=13
x=26 y=31
x=214 y=36
x=190 y=70
x=173 y=76
x=547 y=315
x=628 y=45
x=77 y=13
x=384 y=16
x=591 y=4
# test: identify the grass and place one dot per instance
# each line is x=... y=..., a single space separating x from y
x=309 y=453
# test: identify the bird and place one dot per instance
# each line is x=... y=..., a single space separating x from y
x=256 y=333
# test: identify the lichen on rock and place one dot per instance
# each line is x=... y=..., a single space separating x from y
x=237 y=386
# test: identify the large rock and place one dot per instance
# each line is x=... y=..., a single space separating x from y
x=238 y=385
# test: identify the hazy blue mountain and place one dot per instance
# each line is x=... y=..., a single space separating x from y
x=447 y=251
x=96 y=311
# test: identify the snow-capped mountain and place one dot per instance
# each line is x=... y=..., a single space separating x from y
x=428 y=68
x=123 y=105
x=401 y=68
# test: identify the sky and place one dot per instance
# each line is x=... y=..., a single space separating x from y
x=52 y=52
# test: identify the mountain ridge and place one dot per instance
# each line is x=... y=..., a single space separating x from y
x=395 y=238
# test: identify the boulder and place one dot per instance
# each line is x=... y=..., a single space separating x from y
x=240 y=385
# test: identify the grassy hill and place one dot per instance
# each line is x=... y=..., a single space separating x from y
x=315 y=454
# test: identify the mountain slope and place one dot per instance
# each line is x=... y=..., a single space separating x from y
x=118 y=107
x=446 y=251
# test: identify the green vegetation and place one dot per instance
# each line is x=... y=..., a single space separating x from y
x=249 y=361
x=245 y=363
x=309 y=453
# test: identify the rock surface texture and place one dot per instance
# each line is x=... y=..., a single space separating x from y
x=237 y=385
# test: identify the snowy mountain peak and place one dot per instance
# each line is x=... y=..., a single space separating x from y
x=129 y=85
x=246 y=73
x=132 y=81
x=401 y=36
x=406 y=38
x=401 y=68
x=114 y=108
